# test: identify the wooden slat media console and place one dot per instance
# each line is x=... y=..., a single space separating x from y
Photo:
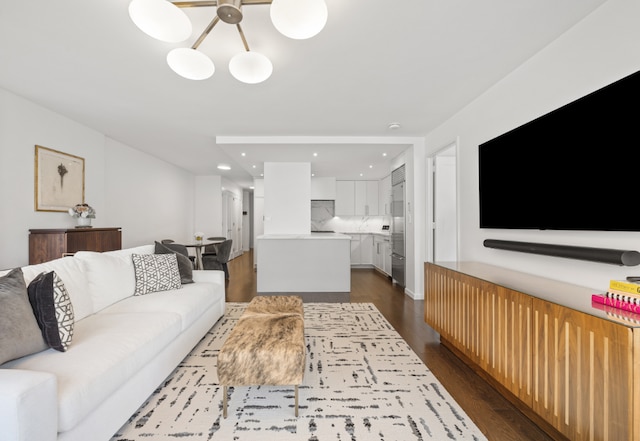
x=571 y=368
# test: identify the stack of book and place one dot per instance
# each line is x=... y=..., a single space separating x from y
x=622 y=295
x=619 y=315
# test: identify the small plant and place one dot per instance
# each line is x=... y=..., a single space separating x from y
x=82 y=210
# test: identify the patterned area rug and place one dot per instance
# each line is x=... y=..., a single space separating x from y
x=363 y=382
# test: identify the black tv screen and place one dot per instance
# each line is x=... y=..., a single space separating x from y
x=575 y=168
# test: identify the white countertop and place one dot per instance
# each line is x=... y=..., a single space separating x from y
x=374 y=233
x=311 y=236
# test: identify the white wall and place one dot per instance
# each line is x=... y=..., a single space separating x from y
x=148 y=198
x=22 y=126
x=598 y=51
x=287 y=198
x=208 y=206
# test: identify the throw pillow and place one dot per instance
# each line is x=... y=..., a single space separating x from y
x=155 y=272
x=19 y=331
x=53 y=309
x=184 y=263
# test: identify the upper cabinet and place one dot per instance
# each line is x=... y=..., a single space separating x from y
x=357 y=198
x=323 y=189
x=345 y=198
x=384 y=200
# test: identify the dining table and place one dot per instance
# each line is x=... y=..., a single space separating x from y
x=198 y=247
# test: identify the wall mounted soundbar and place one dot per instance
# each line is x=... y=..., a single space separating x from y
x=603 y=255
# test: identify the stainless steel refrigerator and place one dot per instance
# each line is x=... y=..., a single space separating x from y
x=398 y=227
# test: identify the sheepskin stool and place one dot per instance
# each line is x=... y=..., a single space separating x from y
x=266 y=347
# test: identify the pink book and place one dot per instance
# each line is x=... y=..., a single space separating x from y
x=604 y=300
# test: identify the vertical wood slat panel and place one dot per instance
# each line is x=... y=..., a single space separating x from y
x=585 y=374
x=489 y=324
x=578 y=372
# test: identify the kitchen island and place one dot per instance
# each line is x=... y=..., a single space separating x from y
x=312 y=263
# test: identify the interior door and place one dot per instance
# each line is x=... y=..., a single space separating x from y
x=443 y=205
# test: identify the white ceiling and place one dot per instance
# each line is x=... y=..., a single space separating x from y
x=415 y=62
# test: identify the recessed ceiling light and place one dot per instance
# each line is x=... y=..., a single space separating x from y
x=243 y=154
x=394 y=126
x=315 y=154
x=361 y=174
x=224 y=167
x=371 y=166
x=253 y=166
x=313 y=174
x=384 y=154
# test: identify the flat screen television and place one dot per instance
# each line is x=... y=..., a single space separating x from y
x=575 y=168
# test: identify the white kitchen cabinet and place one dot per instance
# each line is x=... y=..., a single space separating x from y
x=345 y=198
x=355 y=249
x=366 y=198
x=384 y=196
x=362 y=249
x=357 y=198
x=323 y=189
x=382 y=253
x=366 y=249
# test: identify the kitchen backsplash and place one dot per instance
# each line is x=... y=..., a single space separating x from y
x=350 y=224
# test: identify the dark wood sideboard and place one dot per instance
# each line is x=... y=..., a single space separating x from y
x=49 y=244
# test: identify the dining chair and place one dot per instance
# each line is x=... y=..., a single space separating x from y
x=212 y=250
x=220 y=259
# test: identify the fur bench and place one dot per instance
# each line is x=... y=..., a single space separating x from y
x=266 y=347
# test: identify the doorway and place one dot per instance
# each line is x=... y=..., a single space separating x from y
x=442 y=205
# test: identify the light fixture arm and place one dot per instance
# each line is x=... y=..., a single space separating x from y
x=205 y=33
x=244 y=40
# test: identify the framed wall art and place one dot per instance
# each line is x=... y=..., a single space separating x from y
x=59 y=180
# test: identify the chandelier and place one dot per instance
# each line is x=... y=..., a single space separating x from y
x=166 y=21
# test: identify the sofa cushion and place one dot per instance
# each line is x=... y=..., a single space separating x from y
x=53 y=309
x=185 y=266
x=110 y=275
x=107 y=350
x=190 y=302
x=155 y=272
x=73 y=273
x=19 y=331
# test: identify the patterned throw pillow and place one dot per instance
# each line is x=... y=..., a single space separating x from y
x=52 y=307
x=155 y=272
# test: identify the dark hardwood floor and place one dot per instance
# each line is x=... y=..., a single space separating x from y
x=498 y=419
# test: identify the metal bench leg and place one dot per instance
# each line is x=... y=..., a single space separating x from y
x=296 y=400
x=224 y=401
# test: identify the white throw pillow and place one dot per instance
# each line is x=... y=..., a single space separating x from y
x=111 y=277
x=74 y=274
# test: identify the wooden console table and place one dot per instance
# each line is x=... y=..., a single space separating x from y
x=570 y=367
x=49 y=244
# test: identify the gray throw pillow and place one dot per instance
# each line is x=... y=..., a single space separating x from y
x=19 y=331
x=184 y=263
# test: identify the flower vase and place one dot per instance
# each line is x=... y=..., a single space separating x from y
x=83 y=222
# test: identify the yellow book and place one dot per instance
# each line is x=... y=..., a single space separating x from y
x=623 y=285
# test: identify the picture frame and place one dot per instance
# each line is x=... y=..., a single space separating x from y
x=59 y=180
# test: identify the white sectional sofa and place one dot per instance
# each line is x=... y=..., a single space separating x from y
x=123 y=347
